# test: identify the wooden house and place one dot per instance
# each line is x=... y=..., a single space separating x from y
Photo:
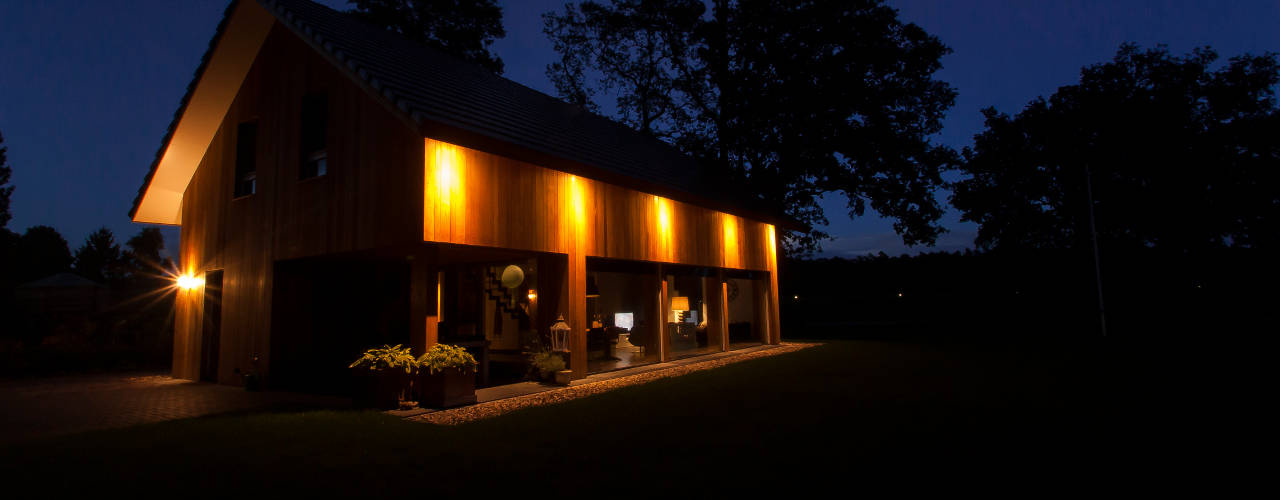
x=339 y=187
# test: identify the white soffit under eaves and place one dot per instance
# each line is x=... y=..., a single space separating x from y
x=208 y=105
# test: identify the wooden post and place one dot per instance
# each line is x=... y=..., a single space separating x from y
x=577 y=284
x=424 y=301
x=713 y=290
x=664 y=347
x=724 y=313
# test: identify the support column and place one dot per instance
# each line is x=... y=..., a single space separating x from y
x=713 y=294
x=576 y=281
x=424 y=301
x=771 y=299
x=664 y=304
x=724 y=313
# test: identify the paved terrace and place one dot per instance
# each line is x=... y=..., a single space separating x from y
x=63 y=405
x=37 y=408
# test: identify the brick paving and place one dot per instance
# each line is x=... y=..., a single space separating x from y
x=63 y=405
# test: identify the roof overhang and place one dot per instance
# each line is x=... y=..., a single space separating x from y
x=224 y=67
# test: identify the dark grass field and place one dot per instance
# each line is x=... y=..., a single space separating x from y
x=833 y=415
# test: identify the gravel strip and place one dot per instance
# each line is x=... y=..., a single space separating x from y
x=494 y=408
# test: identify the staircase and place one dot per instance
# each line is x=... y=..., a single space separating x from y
x=502 y=295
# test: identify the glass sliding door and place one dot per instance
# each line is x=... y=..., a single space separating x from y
x=746 y=303
x=623 y=316
x=693 y=310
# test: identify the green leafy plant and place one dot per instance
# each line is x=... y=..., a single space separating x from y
x=442 y=356
x=386 y=358
x=546 y=364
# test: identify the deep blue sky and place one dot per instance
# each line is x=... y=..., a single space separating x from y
x=88 y=87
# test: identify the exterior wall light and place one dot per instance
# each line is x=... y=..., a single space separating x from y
x=188 y=282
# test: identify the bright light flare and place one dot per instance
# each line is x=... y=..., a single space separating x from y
x=189 y=282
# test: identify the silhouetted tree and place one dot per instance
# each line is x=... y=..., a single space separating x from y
x=143 y=266
x=795 y=99
x=638 y=47
x=42 y=252
x=463 y=28
x=9 y=267
x=1181 y=156
x=99 y=258
x=6 y=191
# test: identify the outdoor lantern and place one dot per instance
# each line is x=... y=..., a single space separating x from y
x=560 y=335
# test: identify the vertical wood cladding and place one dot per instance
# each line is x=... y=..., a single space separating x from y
x=476 y=198
x=370 y=198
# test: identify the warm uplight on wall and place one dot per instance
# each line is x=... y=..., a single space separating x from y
x=579 y=203
x=533 y=295
x=732 y=257
x=444 y=193
x=188 y=282
x=773 y=245
x=662 y=212
x=448 y=175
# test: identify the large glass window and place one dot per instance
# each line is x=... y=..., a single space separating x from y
x=746 y=305
x=489 y=307
x=622 y=309
x=693 y=323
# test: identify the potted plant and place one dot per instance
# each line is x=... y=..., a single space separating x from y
x=544 y=365
x=381 y=376
x=446 y=376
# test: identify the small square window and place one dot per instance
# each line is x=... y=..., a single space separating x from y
x=316 y=165
x=312 y=137
x=246 y=159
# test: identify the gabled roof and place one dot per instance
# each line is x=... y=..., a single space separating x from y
x=460 y=102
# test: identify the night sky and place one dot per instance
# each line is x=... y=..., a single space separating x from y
x=87 y=88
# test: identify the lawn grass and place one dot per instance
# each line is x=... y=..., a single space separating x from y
x=821 y=415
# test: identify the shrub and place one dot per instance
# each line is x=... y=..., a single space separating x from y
x=546 y=363
x=442 y=356
x=386 y=358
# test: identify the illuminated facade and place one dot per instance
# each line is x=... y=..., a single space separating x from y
x=339 y=213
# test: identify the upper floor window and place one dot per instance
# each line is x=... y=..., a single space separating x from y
x=246 y=159
x=312 y=140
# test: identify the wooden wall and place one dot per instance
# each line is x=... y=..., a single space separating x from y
x=476 y=198
x=370 y=198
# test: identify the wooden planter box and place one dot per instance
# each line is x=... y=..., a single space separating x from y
x=378 y=389
x=446 y=388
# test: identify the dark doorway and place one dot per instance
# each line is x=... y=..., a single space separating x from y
x=211 y=331
x=327 y=311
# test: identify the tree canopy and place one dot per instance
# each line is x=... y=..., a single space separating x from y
x=464 y=28
x=792 y=99
x=99 y=259
x=1182 y=154
x=41 y=252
